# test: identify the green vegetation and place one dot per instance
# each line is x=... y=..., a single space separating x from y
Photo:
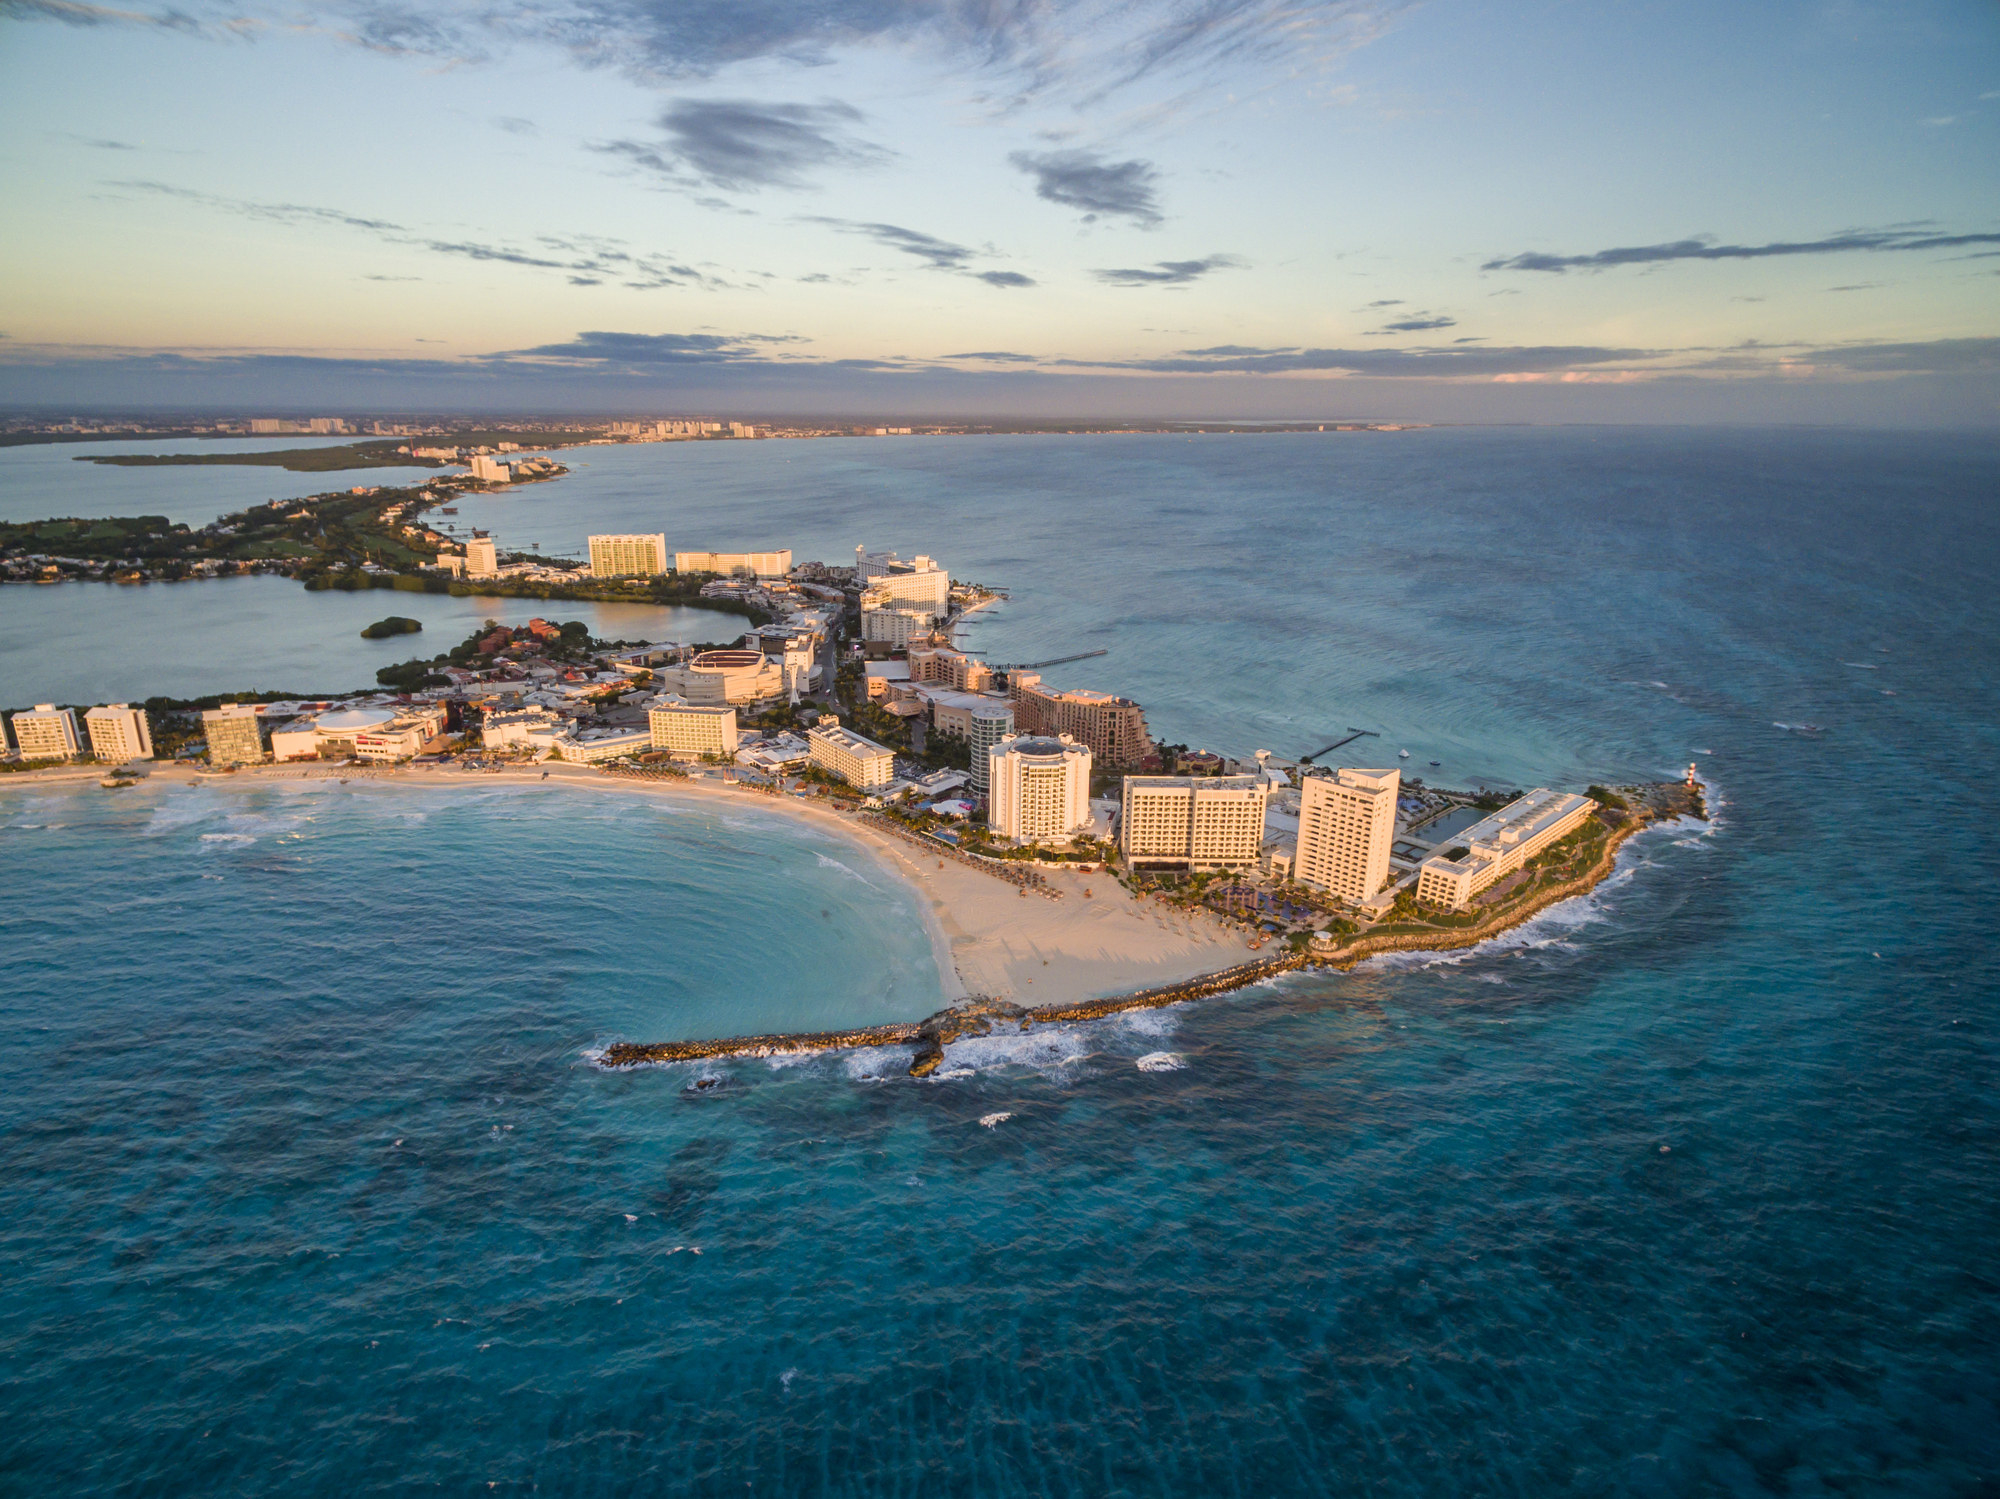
x=395 y=624
x=333 y=458
x=1605 y=797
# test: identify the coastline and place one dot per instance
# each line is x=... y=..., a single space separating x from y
x=989 y=941
x=1002 y=958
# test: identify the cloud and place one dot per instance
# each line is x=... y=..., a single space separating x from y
x=582 y=256
x=1085 y=180
x=652 y=348
x=1423 y=323
x=1385 y=302
x=74 y=13
x=743 y=145
x=1391 y=362
x=1857 y=286
x=1940 y=356
x=515 y=124
x=938 y=254
x=995 y=356
x=1167 y=272
x=1704 y=248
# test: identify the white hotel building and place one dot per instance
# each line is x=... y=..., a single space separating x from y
x=687 y=731
x=1347 y=823
x=1038 y=789
x=917 y=584
x=776 y=564
x=1499 y=845
x=862 y=763
x=119 y=732
x=1194 y=823
x=47 y=733
x=628 y=556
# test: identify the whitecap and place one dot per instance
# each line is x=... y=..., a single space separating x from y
x=826 y=863
x=993 y=1121
x=227 y=838
x=953 y=1074
x=1161 y=1061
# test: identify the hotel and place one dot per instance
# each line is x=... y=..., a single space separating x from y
x=119 y=732
x=887 y=621
x=1346 y=825
x=628 y=556
x=776 y=564
x=1038 y=788
x=917 y=584
x=1499 y=845
x=235 y=735
x=1195 y=823
x=990 y=723
x=715 y=678
x=1113 y=727
x=862 y=763
x=690 y=730
x=481 y=557
x=47 y=733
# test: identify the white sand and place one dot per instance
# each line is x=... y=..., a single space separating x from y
x=988 y=937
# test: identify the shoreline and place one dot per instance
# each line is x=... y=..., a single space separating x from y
x=1001 y=957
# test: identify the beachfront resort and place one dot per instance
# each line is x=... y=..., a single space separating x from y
x=849 y=690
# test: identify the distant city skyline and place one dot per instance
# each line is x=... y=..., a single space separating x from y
x=1233 y=208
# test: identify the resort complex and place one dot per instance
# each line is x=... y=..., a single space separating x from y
x=847 y=685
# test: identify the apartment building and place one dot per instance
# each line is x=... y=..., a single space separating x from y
x=1195 y=823
x=887 y=621
x=490 y=470
x=235 y=734
x=1113 y=727
x=1347 y=822
x=628 y=556
x=687 y=731
x=862 y=763
x=119 y=732
x=1038 y=788
x=776 y=564
x=1497 y=846
x=47 y=732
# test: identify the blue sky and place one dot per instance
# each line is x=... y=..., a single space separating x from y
x=1446 y=211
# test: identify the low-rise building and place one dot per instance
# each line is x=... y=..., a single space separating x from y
x=593 y=745
x=733 y=677
x=862 y=763
x=950 y=667
x=951 y=711
x=1038 y=788
x=1195 y=823
x=1498 y=845
x=47 y=732
x=119 y=732
x=399 y=739
x=235 y=734
x=512 y=730
x=690 y=730
x=631 y=556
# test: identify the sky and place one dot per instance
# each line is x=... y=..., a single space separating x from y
x=1539 y=210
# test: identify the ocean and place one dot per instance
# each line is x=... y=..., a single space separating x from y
x=1686 y=1188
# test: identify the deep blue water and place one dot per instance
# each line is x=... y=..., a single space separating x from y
x=1687 y=1189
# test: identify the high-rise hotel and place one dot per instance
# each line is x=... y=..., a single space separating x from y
x=1347 y=822
x=1195 y=823
x=628 y=556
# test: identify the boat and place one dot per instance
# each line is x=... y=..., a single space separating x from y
x=1402 y=754
x=1436 y=763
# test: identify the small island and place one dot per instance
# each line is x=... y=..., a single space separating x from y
x=395 y=624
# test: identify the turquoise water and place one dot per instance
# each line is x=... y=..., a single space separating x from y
x=1687 y=1188
x=42 y=480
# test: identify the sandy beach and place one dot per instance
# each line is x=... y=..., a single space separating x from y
x=988 y=937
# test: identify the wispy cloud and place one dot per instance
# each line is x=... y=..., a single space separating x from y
x=589 y=261
x=1085 y=180
x=1166 y=272
x=1705 y=248
x=1448 y=361
x=655 y=348
x=1422 y=323
x=938 y=254
x=995 y=356
x=743 y=145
